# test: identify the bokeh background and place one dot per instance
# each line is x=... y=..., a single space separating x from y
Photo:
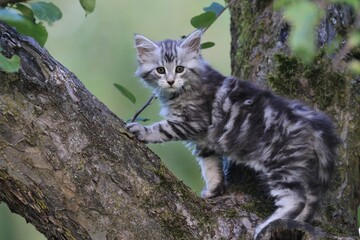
x=99 y=50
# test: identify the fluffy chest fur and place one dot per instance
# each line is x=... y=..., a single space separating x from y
x=192 y=107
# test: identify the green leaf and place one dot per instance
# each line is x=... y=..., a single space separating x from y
x=25 y=10
x=354 y=66
x=215 y=7
x=9 y=64
x=47 y=12
x=354 y=39
x=207 y=45
x=125 y=92
x=203 y=20
x=24 y=25
x=304 y=17
x=88 y=5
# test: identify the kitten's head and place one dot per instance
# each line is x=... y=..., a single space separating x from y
x=170 y=66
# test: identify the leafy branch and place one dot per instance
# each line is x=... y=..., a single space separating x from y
x=206 y=19
x=28 y=18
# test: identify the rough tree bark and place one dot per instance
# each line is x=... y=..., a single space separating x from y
x=71 y=169
x=259 y=52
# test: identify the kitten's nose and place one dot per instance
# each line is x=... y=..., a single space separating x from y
x=170 y=82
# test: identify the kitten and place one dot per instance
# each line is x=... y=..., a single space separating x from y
x=293 y=146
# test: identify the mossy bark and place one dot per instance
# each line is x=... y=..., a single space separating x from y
x=259 y=53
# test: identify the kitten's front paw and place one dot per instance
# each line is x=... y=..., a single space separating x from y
x=138 y=130
x=257 y=234
x=218 y=191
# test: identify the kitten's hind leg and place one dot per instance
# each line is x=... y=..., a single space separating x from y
x=312 y=203
x=212 y=173
x=290 y=203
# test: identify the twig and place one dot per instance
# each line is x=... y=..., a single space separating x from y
x=222 y=11
x=148 y=102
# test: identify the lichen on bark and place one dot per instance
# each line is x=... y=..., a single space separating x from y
x=314 y=83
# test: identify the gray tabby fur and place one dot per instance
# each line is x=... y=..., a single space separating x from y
x=290 y=144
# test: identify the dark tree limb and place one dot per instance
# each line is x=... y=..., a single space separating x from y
x=68 y=165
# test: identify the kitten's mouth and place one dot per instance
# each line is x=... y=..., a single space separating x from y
x=172 y=88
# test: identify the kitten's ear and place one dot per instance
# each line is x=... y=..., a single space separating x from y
x=144 y=46
x=192 y=42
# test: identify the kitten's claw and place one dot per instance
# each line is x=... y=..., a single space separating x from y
x=138 y=130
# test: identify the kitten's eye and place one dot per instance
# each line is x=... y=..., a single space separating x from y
x=179 y=69
x=160 y=70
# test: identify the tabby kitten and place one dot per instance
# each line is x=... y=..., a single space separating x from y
x=292 y=145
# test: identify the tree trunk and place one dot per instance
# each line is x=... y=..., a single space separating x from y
x=259 y=52
x=71 y=169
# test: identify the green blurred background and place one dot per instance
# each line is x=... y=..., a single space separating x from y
x=99 y=50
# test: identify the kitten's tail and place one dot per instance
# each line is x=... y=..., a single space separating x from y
x=325 y=145
x=326 y=140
